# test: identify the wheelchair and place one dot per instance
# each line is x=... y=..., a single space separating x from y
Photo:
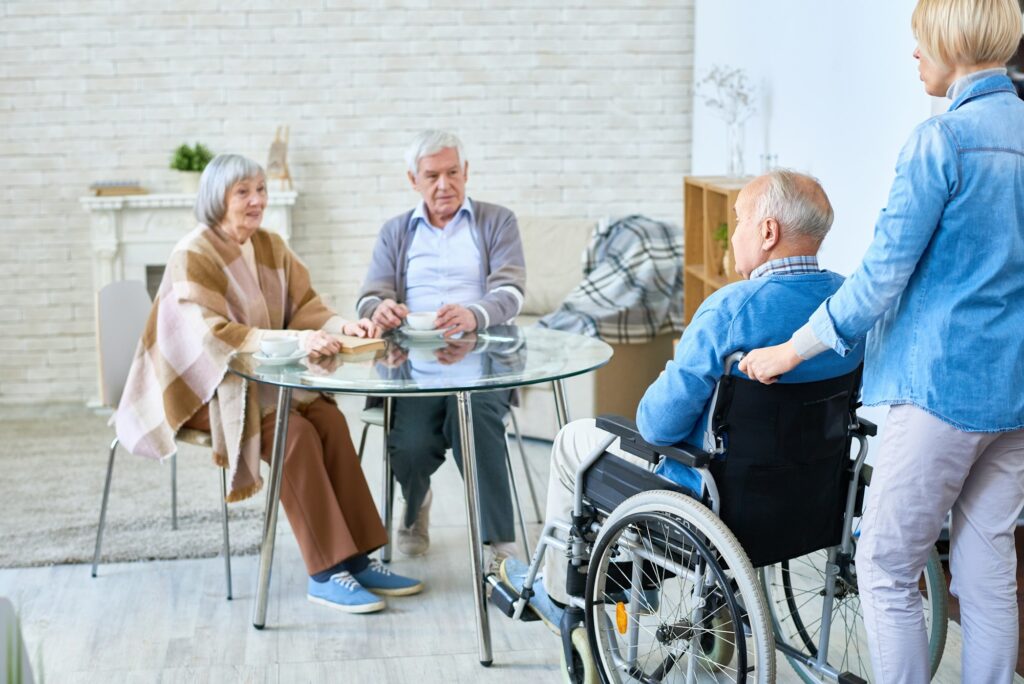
x=667 y=584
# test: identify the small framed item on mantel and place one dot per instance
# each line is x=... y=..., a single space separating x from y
x=118 y=187
x=278 y=175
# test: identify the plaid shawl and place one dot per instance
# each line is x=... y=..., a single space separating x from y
x=632 y=287
x=208 y=306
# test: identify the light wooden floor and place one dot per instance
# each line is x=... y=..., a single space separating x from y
x=168 y=621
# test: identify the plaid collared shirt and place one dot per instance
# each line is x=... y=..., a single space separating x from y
x=787 y=266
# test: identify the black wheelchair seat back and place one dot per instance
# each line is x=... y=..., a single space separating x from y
x=784 y=479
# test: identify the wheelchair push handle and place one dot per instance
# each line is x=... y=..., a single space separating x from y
x=732 y=360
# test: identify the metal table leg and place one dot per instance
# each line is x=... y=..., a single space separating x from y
x=561 y=407
x=387 y=483
x=284 y=400
x=483 y=627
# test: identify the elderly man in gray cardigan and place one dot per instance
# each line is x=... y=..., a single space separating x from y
x=464 y=260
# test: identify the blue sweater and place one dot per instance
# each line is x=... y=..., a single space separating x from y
x=739 y=317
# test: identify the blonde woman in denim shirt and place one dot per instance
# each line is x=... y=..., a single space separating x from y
x=940 y=297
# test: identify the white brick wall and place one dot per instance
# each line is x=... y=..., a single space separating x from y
x=575 y=108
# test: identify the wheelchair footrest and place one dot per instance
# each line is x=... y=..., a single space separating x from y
x=504 y=598
x=850 y=678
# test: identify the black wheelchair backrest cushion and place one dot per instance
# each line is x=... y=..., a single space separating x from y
x=784 y=477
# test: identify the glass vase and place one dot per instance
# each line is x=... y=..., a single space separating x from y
x=734 y=149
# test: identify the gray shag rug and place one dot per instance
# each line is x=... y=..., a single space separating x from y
x=51 y=485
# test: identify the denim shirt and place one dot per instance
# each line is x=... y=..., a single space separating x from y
x=940 y=292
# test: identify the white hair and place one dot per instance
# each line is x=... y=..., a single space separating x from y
x=797 y=201
x=431 y=142
x=220 y=174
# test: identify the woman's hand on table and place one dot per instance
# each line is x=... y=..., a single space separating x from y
x=320 y=343
x=364 y=327
x=324 y=365
x=767 y=363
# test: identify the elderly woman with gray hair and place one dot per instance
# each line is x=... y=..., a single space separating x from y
x=228 y=285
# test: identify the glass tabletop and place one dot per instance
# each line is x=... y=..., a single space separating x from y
x=501 y=356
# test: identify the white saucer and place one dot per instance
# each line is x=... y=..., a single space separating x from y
x=422 y=334
x=260 y=358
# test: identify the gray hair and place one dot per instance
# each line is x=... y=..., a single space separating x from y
x=431 y=142
x=220 y=174
x=797 y=201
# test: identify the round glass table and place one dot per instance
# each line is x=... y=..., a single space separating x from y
x=422 y=364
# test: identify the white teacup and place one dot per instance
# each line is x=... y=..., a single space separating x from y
x=279 y=346
x=421 y=320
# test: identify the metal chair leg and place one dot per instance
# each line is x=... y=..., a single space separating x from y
x=362 y=442
x=388 y=496
x=526 y=467
x=515 y=499
x=174 y=491
x=224 y=522
x=103 y=507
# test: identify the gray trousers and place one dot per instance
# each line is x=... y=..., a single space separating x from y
x=424 y=427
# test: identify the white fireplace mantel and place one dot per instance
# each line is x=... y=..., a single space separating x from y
x=131 y=232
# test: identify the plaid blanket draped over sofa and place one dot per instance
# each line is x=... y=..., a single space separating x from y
x=632 y=287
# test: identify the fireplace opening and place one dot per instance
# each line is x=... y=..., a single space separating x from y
x=154 y=274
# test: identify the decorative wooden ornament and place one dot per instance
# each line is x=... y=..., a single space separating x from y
x=277 y=160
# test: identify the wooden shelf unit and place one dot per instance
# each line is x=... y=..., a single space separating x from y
x=708 y=201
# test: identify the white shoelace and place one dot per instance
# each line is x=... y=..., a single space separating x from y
x=377 y=566
x=346 y=580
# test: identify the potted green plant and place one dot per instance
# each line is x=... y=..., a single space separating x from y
x=721 y=238
x=190 y=162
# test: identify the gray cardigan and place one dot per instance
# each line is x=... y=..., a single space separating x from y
x=502 y=269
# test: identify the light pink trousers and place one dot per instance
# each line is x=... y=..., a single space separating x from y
x=924 y=469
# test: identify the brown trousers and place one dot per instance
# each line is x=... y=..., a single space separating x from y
x=323 y=490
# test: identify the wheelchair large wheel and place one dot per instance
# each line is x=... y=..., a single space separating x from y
x=671 y=597
x=795 y=591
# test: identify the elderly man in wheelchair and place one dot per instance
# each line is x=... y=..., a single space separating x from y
x=661 y=561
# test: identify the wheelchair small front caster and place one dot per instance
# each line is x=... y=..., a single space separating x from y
x=584 y=670
x=719 y=644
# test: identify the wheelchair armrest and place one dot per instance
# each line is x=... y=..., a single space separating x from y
x=866 y=427
x=631 y=442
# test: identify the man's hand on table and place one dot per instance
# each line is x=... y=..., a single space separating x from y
x=389 y=314
x=456 y=350
x=454 y=318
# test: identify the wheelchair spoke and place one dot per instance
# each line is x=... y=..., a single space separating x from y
x=675 y=610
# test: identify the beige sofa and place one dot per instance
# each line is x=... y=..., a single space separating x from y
x=554 y=250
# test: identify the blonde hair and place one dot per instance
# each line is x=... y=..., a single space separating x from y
x=967 y=32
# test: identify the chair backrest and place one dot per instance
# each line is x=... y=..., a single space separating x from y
x=122 y=309
x=783 y=481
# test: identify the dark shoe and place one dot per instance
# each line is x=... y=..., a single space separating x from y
x=382 y=581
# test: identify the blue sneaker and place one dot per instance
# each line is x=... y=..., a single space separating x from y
x=382 y=581
x=343 y=592
x=512 y=572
